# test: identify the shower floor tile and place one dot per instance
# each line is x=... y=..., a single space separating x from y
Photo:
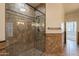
x=31 y=52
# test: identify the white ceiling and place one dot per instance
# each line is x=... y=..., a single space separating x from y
x=69 y=7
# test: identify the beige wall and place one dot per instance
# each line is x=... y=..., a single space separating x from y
x=54 y=17
x=2 y=22
x=70 y=7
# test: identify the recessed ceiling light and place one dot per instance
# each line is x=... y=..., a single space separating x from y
x=22 y=9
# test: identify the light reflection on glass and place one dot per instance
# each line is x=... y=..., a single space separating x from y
x=20 y=23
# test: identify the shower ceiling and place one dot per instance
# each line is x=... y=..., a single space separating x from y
x=34 y=4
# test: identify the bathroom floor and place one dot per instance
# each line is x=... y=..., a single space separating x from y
x=36 y=52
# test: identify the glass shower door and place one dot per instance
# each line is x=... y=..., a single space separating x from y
x=40 y=33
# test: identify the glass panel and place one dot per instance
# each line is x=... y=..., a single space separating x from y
x=40 y=33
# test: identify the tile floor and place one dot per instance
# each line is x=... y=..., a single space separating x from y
x=71 y=49
x=32 y=52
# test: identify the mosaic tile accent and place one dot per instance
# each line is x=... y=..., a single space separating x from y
x=54 y=44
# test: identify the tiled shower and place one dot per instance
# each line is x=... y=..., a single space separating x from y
x=25 y=30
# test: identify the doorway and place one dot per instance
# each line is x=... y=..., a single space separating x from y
x=71 y=38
